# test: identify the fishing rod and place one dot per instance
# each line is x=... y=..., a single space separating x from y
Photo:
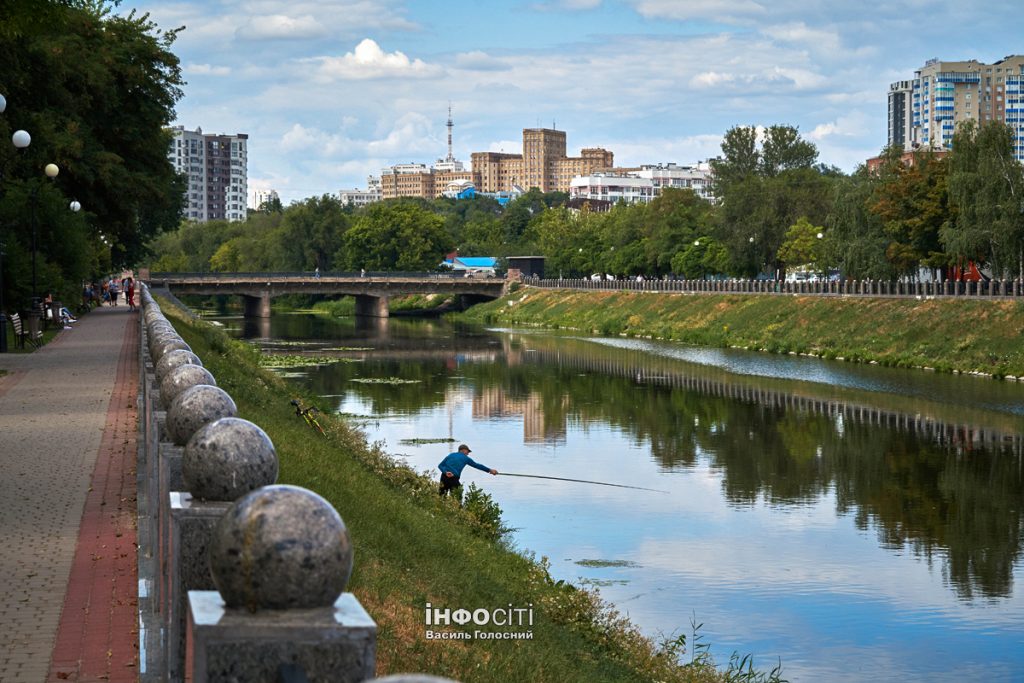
x=579 y=481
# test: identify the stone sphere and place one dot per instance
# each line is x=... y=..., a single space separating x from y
x=280 y=547
x=181 y=378
x=194 y=407
x=227 y=459
x=168 y=346
x=174 y=359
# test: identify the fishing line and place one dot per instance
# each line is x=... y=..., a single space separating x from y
x=579 y=481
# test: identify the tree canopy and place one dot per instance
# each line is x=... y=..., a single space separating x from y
x=96 y=91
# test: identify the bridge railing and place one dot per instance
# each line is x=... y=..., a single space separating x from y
x=306 y=275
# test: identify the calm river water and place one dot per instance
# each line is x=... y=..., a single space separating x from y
x=858 y=523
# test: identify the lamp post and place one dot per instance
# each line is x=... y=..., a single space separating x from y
x=51 y=171
x=21 y=139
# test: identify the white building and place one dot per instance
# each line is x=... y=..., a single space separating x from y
x=373 y=193
x=696 y=178
x=217 y=170
x=261 y=198
x=613 y=188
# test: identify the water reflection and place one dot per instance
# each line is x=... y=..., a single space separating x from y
x=794 y=502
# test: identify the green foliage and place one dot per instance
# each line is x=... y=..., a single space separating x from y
x=395 y=235
x=986 y=187
x=803 y=246
x=912 y=202
x=95 y=90
x=764 y=191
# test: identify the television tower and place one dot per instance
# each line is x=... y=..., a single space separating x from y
x=451 y=157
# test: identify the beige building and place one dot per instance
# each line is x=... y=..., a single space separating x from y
x=543 y=164
x=925 y=111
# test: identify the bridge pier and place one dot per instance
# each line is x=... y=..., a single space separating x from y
x=257 y=306
x=371 y=306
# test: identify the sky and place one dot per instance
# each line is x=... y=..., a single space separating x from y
x=330 y=91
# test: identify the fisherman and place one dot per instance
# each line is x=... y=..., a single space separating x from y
x=453 y=464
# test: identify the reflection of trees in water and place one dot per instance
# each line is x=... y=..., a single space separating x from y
x=914 y=492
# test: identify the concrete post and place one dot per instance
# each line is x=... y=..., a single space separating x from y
x=257 y=306
x=281 y=557
x=372 y=306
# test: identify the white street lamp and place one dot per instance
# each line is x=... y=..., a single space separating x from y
x=21 y=139
x=75 y=206
x=51 y=170
x=3 y=104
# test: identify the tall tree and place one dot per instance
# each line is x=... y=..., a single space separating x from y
x=986 y=187
x=96 y=91
x=762 y=191
x=395 y=235
x=912 y=201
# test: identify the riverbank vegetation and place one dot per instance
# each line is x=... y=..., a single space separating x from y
x=413 y=547
x=946 y=335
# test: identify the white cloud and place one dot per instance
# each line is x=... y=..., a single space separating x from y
x=818 y=39
x=726 y=11
x=281 y=27
x=854 y=124
x=478 y=60
x=206 y=70
x=713 y=79
x=369 y=60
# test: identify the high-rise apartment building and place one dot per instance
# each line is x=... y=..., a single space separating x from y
x=261 y=199
x=901 y=114
x=217 y=170
x=543 y=164
x=944 y=94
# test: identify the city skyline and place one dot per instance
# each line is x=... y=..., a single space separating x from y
x=330 y=92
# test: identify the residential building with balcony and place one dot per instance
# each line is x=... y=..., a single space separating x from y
x=216 y=167
x=614 y=188
x=945 y=94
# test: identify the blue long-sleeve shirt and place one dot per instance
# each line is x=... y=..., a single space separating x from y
x=457 y=461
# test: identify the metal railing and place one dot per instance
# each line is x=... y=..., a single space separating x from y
x=872 y=288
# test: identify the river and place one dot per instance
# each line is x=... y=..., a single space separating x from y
x=855 y=522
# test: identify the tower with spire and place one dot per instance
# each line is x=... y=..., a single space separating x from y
x=449 y=163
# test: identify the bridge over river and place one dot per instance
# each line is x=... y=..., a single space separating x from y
x=371 y=290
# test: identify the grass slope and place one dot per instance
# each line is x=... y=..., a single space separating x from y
x=411 y=547
x=965 y=335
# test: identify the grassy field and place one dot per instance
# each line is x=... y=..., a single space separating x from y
x=964 y=335
x=412 y=547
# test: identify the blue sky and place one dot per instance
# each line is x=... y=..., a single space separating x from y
x=332 y=90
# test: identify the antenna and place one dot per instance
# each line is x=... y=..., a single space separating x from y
x=451 y=157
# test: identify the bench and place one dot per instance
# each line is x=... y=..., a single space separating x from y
x=21 y=333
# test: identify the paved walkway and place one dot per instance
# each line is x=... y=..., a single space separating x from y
x=68 y=590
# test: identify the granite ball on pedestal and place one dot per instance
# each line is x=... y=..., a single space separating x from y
x=194 y=407
x=227 y=459
x=280 y=547
x=174 y=359
x=168 y=346
x=181 y=378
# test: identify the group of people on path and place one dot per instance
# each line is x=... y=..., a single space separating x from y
x=96 y=294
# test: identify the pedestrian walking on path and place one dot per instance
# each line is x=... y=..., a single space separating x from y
x=67 y=505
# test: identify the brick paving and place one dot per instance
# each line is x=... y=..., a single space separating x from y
x=67 y=460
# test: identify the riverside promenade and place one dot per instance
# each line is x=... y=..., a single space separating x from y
x=68 y=565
